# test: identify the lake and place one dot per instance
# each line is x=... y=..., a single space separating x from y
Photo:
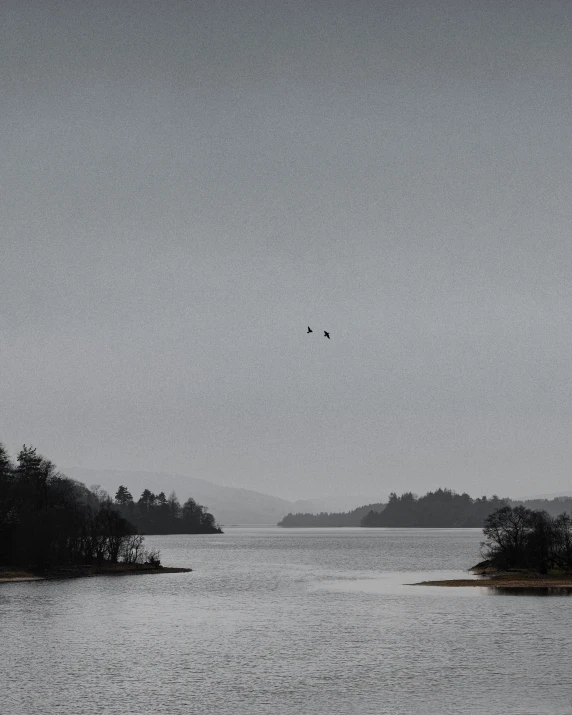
x=293 y=622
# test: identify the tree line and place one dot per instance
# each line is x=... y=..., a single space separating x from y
x=442 y=508
x=159 y=514
x=324 y=519
x=48 y=520
x=522 y=538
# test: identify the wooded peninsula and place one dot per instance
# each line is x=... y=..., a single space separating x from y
x=54 y=526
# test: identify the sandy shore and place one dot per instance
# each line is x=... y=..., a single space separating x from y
x=507 y=580
x=13 y=575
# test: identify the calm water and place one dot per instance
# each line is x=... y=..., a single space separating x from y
x=289 y=622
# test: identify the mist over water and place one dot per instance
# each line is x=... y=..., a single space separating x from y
x=288 y=622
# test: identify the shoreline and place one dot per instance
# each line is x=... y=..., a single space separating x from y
x=502 y=583
x=16 y=575
x=488 y=577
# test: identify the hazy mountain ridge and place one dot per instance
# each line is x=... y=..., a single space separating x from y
x=554 y=506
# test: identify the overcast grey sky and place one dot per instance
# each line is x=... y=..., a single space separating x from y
x=187 y=185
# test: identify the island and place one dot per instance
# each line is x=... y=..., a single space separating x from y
x=439 y=509
x=524 y=549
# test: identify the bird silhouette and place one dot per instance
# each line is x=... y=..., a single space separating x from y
x=310 y=329
x=327 y=334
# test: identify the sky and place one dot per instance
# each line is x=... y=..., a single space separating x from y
x=187 y=185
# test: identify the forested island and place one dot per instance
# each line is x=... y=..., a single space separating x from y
x=442 y=508
x=53 y=525
x=523 y=548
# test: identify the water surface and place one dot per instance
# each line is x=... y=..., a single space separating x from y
x=296 y=621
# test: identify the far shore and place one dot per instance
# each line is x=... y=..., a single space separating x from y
x=11 y=575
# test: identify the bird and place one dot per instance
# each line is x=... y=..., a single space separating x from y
x=310 y=329
x=327 y=334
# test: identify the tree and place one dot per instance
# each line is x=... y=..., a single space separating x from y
x=517 y=537
x=146 y=500
x=505 y=531
x=8 y=513
x=101 y=494
x=540 y=541
x=6 y=466
x=162 y=507
x=563 y=536
x=174 y=506
x=115 y=529
x=123 y=496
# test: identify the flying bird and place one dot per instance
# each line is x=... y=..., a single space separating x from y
x=310 y=329
x=327 y=334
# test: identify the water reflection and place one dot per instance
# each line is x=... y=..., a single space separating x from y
x=529 y=590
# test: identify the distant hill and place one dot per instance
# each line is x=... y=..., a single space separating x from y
x=229 y=505
x=534 y=497
x=323 y=519
x=553 y=506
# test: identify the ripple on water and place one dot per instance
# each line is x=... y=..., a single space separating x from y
x=287 y=622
